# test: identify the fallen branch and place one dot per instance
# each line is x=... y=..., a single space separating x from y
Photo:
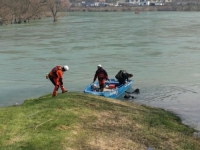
x=42 y=124
x=32 y=114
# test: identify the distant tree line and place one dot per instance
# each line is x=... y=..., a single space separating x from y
x=18 y=11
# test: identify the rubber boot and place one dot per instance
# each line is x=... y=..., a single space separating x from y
x=63 y=89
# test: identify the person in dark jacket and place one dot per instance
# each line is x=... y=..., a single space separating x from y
x=102 y=76
x=122 y=76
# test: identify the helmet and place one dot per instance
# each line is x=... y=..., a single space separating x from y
x=66 y=68
x=99 y=65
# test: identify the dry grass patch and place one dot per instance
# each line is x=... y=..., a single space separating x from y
x=101 y=142
x=14 y=140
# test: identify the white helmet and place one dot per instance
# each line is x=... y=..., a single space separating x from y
x=99 y=65
x=66 y=68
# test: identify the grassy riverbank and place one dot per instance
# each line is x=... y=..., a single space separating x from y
x=75 y=121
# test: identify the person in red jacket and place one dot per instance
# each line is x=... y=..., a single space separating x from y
x=56 y=77
x=102 y=77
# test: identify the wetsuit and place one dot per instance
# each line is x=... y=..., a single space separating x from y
x=122 y=76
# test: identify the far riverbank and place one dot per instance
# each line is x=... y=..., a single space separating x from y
x=134 y=8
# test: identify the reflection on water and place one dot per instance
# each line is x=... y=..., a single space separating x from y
x=161 y=49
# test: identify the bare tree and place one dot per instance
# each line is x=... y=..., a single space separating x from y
x=16 y=11
x=3 y=11
x=197 y=5
x=2 y=3
x=36 y=8
x=56 y=6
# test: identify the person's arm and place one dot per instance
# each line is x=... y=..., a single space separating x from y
x=95 y=77
x=61 y=81
x=60 y=76
x=127 y=76
x=106 y=75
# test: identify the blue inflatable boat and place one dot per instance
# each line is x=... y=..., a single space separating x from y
x=111 y=90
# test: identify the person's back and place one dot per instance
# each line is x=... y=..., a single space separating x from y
x=56 y=72
x=122 y=76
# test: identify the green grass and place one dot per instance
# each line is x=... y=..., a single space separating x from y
x=76 y=121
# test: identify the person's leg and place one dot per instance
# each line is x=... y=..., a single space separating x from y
x=55 y=90
x=56 y=86
x=63 y=89
x=52 y=80
x=101 y=85
x=120 y=82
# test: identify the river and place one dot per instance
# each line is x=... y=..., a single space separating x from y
x=160 y=49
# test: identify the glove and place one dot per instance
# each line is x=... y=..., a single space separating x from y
x=47 y=76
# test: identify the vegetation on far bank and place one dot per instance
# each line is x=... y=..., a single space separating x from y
x=22 y=11
x=136 y=8
x=18 y=11
x=76 y=121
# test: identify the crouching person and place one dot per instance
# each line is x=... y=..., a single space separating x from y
x=122 y=77
x=56 y=77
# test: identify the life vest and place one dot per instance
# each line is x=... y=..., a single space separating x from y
x=53 y=72
x=101 y=74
